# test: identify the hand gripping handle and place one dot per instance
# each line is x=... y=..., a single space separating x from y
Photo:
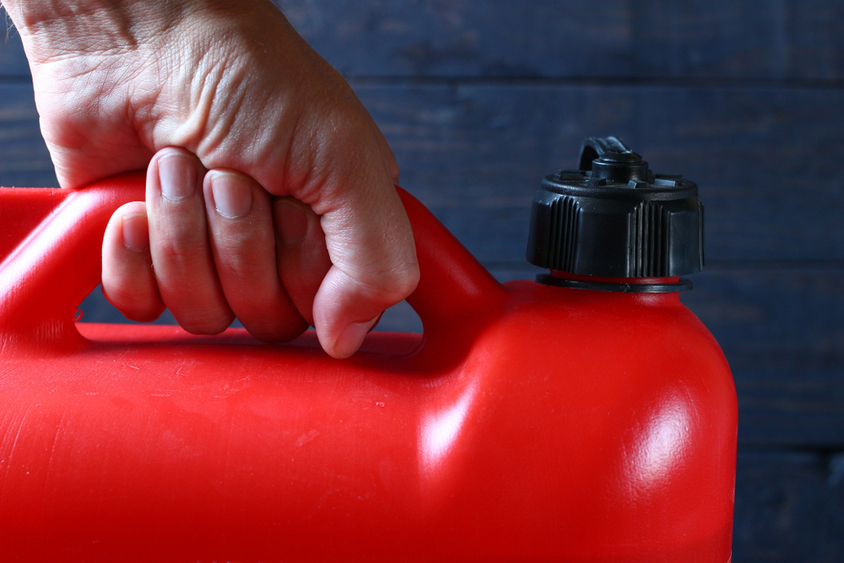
x=49 y=266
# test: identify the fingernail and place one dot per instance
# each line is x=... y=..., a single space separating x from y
x=135 y=232
x=291 y=221
x=177 y=176
x=351 y=338
x=232 y=194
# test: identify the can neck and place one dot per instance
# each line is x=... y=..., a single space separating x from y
x=623 y=285
x=639 y=281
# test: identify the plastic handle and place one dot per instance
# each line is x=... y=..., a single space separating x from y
x=452 y=282
x=52 y=266
x=56 y=263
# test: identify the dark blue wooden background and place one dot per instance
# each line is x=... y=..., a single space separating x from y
x=479 y=100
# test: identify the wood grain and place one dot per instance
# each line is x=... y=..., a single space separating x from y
x=789 y=507
x=618 y=40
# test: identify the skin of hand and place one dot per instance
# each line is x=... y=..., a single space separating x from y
x=270 y=191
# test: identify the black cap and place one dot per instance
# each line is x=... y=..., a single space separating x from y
x=615 y=218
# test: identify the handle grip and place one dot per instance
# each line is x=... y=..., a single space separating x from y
x=58 y=263
x=52 y=265
x=452 y=282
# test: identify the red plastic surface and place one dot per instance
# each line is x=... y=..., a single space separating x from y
x=530 y=423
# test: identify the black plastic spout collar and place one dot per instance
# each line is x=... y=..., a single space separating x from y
x=614 y=218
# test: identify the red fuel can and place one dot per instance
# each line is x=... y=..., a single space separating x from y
x=584 y=417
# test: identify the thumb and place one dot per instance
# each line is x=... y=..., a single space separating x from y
x=373 y=256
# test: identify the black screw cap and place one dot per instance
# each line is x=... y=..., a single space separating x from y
x=615 y=218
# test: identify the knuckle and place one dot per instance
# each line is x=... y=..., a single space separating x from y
x=392 y=286
x=177 y=252
x=403 y=282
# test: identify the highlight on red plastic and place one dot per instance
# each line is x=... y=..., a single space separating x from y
x=533 y=423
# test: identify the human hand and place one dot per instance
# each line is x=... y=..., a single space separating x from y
x=270 y=190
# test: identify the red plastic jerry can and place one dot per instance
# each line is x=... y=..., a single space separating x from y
x=586 y=417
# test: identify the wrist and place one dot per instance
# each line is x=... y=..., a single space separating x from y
x=58 y=28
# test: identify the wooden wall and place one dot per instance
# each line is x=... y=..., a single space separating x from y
x=479 y=100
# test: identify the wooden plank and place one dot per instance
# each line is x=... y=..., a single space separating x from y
x=24 y=159
x=767 y=160
x=771 y=39
x=646 y=39
x=12 y=59
x=773 y=316
x=789 y=507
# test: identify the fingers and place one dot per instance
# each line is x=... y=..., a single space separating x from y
x=128 y=280
x=243 y=246
x=374 y=266
x=212 y=245
x=302 y=257
x=180 y=246
x=211 y=240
